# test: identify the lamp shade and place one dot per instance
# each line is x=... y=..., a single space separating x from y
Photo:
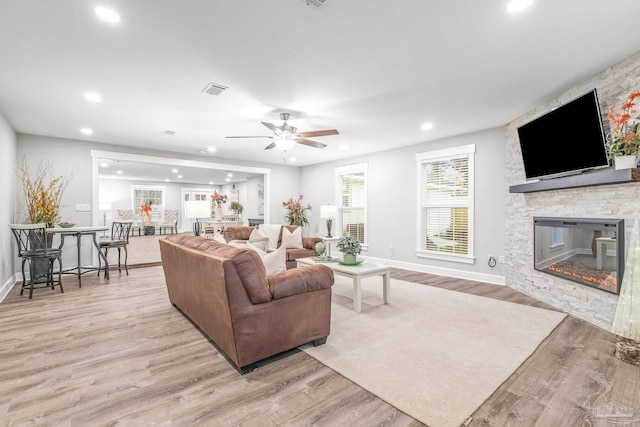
x=104 y=206
x=328 y=211
x=197 y=209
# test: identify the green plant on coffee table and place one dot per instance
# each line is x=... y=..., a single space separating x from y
x=349 y=245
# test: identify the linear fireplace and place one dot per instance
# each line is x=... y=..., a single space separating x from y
x=584 y=250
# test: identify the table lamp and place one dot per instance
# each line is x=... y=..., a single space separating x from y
x=328 y=212
x=196 y=209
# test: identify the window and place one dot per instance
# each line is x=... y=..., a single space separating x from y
x=142 y=194
x=445 y=200
x=351 y=201
x=557 y=237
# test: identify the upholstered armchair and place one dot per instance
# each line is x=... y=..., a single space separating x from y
x=170 y=221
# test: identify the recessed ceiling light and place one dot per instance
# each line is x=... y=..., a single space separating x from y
x=108 y=15
x=202 y=152
x=211 y=149
x=104 y=165
x=344 y=147
x=92 y=97
x=427 y=126
x=228 y=180
x=518 y=5
x=210 y=182
x=292 y=159
x=167 y=180
x=179 y=176
x=119 y=172
x=230 y=175
x=86 y=131
x=174 y=170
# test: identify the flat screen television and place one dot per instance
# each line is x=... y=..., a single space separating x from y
x=567 y=140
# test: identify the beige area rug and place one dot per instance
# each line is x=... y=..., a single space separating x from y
x=434 y=354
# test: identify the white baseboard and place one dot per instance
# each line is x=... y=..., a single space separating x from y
x=449 y=272
x=8 y=285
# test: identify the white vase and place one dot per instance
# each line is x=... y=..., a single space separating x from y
x=625 y=162
x=218 y=212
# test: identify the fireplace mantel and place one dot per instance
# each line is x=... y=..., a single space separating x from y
x=604 y=177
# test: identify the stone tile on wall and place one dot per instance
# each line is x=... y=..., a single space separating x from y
x=610 y=201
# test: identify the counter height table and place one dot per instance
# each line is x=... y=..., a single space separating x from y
x=78 y=232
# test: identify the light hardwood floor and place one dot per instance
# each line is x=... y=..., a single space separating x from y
x=118 y=353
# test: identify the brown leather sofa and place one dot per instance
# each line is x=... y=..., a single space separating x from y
x=307 y=250
x=248 y=315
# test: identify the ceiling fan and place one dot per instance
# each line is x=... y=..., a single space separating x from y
x=286 y=137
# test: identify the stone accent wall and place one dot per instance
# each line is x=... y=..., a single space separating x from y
x=609 y=201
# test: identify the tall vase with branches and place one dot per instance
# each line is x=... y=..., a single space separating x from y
x=42 y=192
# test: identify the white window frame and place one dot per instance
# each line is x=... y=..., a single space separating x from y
x=467 y=151
x=345 y=170
x=557 y=237
x=136 y=209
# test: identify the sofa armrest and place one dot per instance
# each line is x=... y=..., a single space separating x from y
x=310 y=242
x=300 y=280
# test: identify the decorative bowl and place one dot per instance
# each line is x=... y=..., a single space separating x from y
x=66 y=224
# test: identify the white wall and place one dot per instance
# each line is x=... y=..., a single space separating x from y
x=74 y=156
x=9 y=186
x=392 y=203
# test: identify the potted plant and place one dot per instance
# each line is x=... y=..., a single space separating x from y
x=236 y=207
x=350 y=247
x=623 y=141
x=296 y=212
x=217 y=200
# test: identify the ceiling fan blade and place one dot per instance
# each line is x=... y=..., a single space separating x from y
x=270 y=146
x=271 y=126
x=314 y=133
x=311 y=143
x=256 y=136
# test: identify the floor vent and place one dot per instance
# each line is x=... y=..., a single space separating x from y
x=214 y=89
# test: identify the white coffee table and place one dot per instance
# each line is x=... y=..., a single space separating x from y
x=357 y=273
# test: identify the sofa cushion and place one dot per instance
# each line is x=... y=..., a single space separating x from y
x=259 y=239
x=291 y=239
x=273 y=233
x=274 y=262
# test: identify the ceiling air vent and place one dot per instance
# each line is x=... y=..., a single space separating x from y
x=315 y=3
x=168 y=132
x=214 y=89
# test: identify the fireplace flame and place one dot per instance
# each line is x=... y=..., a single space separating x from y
x=607 y=283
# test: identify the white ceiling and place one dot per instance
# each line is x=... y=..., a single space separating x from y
x=374 y=70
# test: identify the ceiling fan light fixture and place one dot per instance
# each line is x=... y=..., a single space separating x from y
x=285 y=144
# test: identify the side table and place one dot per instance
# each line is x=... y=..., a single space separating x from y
x=327 y=241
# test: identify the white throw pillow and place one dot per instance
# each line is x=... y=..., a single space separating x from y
x=274 y=262
x=292 y=240
x=219 y=238
x=273 y=232
x=259 y=239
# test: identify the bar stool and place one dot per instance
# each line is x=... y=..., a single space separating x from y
x=32 y=242
x=119 y=239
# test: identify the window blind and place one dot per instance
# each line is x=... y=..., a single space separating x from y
x=446 y=202
x=352 y=200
